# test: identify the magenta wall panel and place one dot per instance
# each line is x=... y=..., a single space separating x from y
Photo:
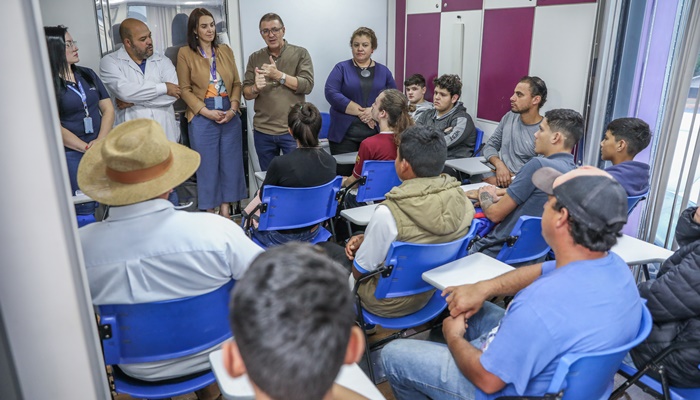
x=462 y=5
x=559 y=2
x=423 y=47
x=505 y=58
x=400 y=41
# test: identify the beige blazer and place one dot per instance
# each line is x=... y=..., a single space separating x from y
x=193 y=73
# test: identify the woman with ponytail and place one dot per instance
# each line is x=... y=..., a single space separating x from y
x=390 y=110
x=307 y=166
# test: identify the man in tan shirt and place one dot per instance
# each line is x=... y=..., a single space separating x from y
x=277 y=77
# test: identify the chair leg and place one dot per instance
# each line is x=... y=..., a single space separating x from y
x=368 y=351
x=664 y=383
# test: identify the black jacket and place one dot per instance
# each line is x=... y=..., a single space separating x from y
x=674 y=301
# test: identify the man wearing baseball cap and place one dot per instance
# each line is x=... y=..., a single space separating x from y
x=584 y=301
x=146 y=250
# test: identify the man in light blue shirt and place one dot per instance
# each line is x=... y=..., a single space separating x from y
x=583 y=302
x=146 y=250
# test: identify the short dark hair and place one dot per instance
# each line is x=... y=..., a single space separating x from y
x=365 y=31
x=425 y=149
x=634 y=131
x=415 y=79
x=395 y=104
x=292 y=312
x=592 y=239
x=304 y=120
x=449 y=82
x=568 y=122
x=537 y=88
x=192 y=23
x=270 y=17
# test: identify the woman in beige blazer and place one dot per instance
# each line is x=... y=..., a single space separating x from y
x=211 y=88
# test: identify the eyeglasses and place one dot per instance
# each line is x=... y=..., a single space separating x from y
x=274 y=31
x=71 y=44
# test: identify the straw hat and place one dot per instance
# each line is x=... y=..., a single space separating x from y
x=134 y=163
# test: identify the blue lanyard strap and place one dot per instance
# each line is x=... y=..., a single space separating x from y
x=82 y=95
x=212 y=68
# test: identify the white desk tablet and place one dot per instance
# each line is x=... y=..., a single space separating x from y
x=473 y=186
x=470 y=165
x=260 y=176
x=635 y=251
x=346 y=158
x=470 y=269
x=350 y=376
x=359 y=215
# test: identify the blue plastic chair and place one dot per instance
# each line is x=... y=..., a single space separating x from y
x=138 y=333
x=290 y=208
x=85 y=219
x=478 y=145
x=377 y=179
x=589 y=376
x=632 y=201
x=525 y=242
x=663 y=388
x=325 y=124
x=401 y=275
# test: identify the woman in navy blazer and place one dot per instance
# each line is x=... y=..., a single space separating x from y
x=351 y=89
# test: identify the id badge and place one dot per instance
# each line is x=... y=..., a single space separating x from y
x=218 y=103
x=87 y=121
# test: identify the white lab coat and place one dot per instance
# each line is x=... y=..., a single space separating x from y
x=126 y=82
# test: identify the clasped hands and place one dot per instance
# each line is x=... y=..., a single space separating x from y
x=463 y=302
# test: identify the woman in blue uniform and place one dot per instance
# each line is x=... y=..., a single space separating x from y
x=84 y=107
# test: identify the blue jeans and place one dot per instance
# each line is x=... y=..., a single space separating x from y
x=276 y=238
x=220 y=176
x=268 y=147
x=420 y=369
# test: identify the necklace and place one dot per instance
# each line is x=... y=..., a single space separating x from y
x=364 y=70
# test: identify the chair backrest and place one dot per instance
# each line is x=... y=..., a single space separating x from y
x=408 y=261
x=166 y=329
x=590 y=376
x=632 y=201
x=479 y=142
x=289 y=208
x=379 y=178
x=529 y=246
x=325 y=124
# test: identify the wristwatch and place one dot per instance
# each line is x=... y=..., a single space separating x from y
x=283 y=79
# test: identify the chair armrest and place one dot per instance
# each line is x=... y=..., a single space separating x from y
x=361 y=181
x=365 y=277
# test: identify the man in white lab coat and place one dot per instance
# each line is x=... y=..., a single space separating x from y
x=143 y=84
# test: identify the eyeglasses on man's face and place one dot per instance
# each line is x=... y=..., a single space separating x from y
x=71 y=44
x=274 y=31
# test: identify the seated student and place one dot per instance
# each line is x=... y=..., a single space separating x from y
x=624 y=138
x=146 y=250
x=585 y=301
x=559 y=131
x=512 y=144
x=673 y=299
x=450 y=117
x=415 y=91
x=295 y=326
x=390 y=110
x=428 y=207
x=307 y=166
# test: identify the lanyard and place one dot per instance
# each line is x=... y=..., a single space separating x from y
x=212 y=68
x=83 y=96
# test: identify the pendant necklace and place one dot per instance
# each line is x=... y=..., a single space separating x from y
x=365 y=70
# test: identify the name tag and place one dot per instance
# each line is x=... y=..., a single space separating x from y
x=87 y=121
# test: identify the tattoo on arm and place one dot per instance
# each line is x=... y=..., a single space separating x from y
x=486 y=200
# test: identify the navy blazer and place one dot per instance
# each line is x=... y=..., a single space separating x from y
x=343 y=86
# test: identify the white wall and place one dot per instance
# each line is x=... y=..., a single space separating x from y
x=79 y=17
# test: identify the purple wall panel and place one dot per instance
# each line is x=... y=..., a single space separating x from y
x=558 y=2
x=423 y=47
x=462 y=5
x=400 y=43
x=505 y=58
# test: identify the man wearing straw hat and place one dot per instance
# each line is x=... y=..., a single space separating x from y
x=146 y=250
